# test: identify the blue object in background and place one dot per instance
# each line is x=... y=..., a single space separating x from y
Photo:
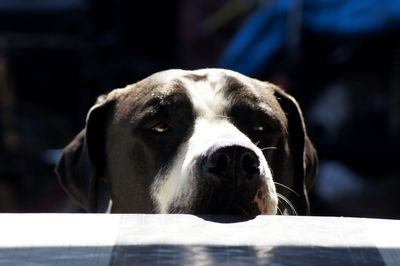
x=266 y=31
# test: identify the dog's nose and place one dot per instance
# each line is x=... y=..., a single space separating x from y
x=232 y=161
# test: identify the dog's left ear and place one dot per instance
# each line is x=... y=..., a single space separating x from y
x=81 y=166
x=304 y=153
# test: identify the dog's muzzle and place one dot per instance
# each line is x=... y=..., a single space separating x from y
x=232 y=182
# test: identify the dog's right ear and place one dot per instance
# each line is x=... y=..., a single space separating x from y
x=304 y=154
x=81 y=166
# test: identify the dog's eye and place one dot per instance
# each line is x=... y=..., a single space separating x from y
x=258 y=129
x=160 y=128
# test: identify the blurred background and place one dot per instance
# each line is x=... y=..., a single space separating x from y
x=339 y=58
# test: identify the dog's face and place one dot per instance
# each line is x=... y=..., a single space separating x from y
x=209 y=141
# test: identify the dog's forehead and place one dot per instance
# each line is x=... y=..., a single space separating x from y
x=211 y=91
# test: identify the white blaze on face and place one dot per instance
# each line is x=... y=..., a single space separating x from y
x=177 y=184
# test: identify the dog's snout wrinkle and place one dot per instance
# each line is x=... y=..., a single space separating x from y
x=232 y=162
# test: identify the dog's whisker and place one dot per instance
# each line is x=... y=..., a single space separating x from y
x=287 y=201
x=223 y=116
x=268 y=148
x=280 y=211
x=256 y=143
x=288 y=188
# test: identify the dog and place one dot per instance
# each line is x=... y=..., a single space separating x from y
x=205 y=142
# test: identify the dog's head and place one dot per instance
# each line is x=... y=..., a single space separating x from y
x=209 y=141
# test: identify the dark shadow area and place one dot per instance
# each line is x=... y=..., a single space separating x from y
x=195 y=255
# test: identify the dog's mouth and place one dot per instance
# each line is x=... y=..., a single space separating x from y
x=255 y=207
x=230 y=206
x=227 y=206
